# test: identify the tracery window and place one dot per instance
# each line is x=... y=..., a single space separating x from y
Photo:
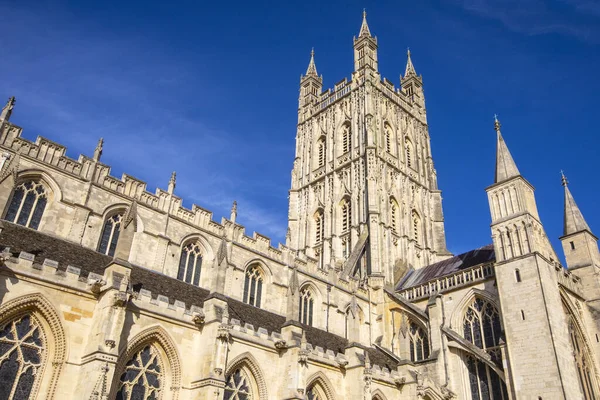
x=394 y=215
x=238 y=386
x=321 y=152
x=481 y=326
x=319 y=226
x=22 y=354
x=409 y=152
x=585 y=368
x=315 y=392
x=143 y=376
x=190 y=263
x=346 y=139
x=27 y=205
x=307 y=302
x=253 y=286
x=419 y=343
x=346 y=215
x=110 y=234
x=416 y=221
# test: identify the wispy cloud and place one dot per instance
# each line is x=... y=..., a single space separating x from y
x=576 y=18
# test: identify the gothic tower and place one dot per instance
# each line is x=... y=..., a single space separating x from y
x=364 y=196
x=535 y=326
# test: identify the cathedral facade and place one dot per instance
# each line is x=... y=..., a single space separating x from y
x=109 y=291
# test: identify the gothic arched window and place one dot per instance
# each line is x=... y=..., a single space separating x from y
x=388 y=138
x=307 y=302
x=321 y=152
x=481 y=326
x=143 y=376
x=409 y=152
x=419 y=343
x=346 y=139
x=315 y=392
x=346 y=215
x=583 y=362
x=238 y=386
x=319 y=225
x=27 y=205
x=22 y=353
x=253 y=286
x=190 y=263
x=110 y=234
x=416 y=226
x=394 y=209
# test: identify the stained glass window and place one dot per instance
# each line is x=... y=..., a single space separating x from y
x=481 y=326
x=22 y=351
x=27 y=205
x=190 y=264
x=419 y=343
x=306 y=306
x=110 y=235
x=253 y=286
x=143 y=376
x=238 y=386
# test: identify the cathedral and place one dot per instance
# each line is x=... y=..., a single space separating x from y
x=110 y=291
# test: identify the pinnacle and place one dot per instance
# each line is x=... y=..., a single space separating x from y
x=573 y=218
x=364 y=28
x=410 y=68
x=312 y=68
x=505 y=164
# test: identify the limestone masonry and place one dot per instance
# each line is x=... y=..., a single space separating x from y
x=108 y=291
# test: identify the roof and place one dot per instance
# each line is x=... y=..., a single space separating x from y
x=66 y=253
x=449 y=266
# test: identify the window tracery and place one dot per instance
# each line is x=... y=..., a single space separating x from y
x=22 y=354
x=306 y=306
x=409 y=152
x=143 y=376
x=253 y=286
x=419 y=343
x=238 y=386
x=110 y=235
x=481 y=326
x=314 y=392
x=28 y=204
x=190 y=263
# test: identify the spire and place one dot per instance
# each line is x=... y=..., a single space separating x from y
x=98 y=150
x=172 y=183
x=573 y=221
x=505 y=165
x=312 y=68
x=410 y=68
x=364 y=28
x=7 y=109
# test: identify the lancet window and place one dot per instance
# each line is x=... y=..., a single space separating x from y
x=315 y=392
x=321 y=152
x=253 y=283
x=394 y=209
x=419 y=343
x=110 y=234
x=481 y=326
x=190 y=263
x=409 y=153
x=346 y=139
x=346 y=215
x=238 y=386
x=28 y=204
x=416 y=225
x=319 y=225
x=307 y=303
x=143 y=377
x=388 y=138
x=22 y=355
x=583 y=362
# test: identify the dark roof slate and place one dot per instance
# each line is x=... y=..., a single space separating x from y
x=446 y=267
x=66 y=253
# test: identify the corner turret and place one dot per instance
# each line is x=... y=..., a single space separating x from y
x=365 y=48
x=412 y=84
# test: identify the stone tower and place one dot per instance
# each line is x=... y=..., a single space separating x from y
x=535 y=327
x=580 y=246
x=364 y=196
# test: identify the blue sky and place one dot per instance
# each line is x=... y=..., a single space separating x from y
x=210 y=90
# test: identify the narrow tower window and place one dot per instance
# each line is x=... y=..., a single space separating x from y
x=346 y=215
x=190 y=264
x=416 y=221
x=28 y=204
x=388 y=138
x=523 y=315
x=253 y=286
x=572 y=245
x=346 y=139
x=409 y=151
x=518 y=275
x=321 y=152
x=394 y=215
x=110 y=235
x=319 y=226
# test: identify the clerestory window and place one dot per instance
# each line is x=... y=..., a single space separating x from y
x=253 y=283
x=110 y=234
x=27 y=204
x=190 y=263
x=419 y=343
x=307 y=302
